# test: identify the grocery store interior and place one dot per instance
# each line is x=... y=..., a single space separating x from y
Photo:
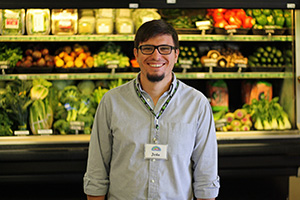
x=59 y=58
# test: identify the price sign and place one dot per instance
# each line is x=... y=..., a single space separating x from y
x=45 y=131
x=186 y=64
x=21 y=132
x=77 y=126
x=112 y=64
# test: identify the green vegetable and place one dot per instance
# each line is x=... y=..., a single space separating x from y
x=261 y=19
x=279 y=21
x=268 y=115
x=86 y=87
x=62 y=126
x=256 y=12
x=271 y=20
x=17 y=101
x=10 y=52
x=267 y=12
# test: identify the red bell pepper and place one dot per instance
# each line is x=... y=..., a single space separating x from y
x=233 y=20
x=228 y=14
x=221 y=24
x=248 y=22
x=241 y=14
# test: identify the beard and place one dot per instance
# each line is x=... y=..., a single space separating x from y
x=155 y=78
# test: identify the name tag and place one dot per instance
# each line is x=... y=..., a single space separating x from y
x=156 y=151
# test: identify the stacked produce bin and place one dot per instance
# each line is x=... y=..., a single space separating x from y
x=58 y=62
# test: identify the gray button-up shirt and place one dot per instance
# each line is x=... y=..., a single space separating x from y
x=123 y=125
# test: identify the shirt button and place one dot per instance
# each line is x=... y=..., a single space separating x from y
x=152 y=181
x=153 y=160
x=148 y=100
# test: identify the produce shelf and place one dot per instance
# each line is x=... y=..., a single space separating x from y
x=82 y=138
x=115 y=37
x=131 y=75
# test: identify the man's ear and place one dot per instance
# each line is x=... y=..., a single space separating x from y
x=135 y=52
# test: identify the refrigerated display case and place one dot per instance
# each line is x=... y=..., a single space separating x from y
x=49 y=159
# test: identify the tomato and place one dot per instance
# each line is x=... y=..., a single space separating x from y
x=248 y=22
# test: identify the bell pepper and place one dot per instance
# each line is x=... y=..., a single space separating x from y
x=233 y=20
x=261 y=19
x=279 y=21
x=228 y=14
x=256 y=12
x=248 y=22
x=241 y=14
x=221 y=24
x=267 y=12
x=249 y=12
x=271 y=20
x=218 y=16
x=288 y=21
x=277 y=12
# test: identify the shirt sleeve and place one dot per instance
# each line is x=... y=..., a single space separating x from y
x=205 y=156
x=96 y=178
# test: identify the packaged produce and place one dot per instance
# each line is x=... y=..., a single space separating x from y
x=105 y=13
x=38 y=21
x=13 y=21
x=64 y=21
x=218 y=94
x=104 y=25
x=123 y=12
x=86 y=22
x=124 y=26
x=141 y=16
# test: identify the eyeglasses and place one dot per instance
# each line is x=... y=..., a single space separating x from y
x=162 y=49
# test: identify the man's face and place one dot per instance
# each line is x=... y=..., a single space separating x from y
x=156 y=67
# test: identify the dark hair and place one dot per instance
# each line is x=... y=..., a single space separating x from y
x=154 y=28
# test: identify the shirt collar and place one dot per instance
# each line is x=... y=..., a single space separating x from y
x=172 y=86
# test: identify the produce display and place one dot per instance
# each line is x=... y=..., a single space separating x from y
x=188 y=57
x=270 y=57
x=224 y=58
x=271 y=18
x=10 y=53
x=259 y=115
x=110 y=56
x=77 y=56
x=36 y=57
x=230 y=18
x=30 y=105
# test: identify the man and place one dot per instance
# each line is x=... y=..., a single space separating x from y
x=153 y=137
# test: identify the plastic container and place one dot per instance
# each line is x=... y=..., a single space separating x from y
x=124 y=26
x=86 y=22
x=38 y=21
x=64 y=21
x=13 y=21
x=104 y=26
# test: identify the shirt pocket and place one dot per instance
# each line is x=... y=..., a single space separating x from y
x=181 y=139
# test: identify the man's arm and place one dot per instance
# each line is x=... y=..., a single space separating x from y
x=95 y=197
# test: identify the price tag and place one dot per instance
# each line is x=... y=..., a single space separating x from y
x=112 y=64
x=171 y=1
x=186 y=64
x=209 y=62
x=77 y=125
x=45 y=131
x=21 y=132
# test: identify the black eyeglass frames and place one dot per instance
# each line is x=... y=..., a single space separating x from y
x=162 y=49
